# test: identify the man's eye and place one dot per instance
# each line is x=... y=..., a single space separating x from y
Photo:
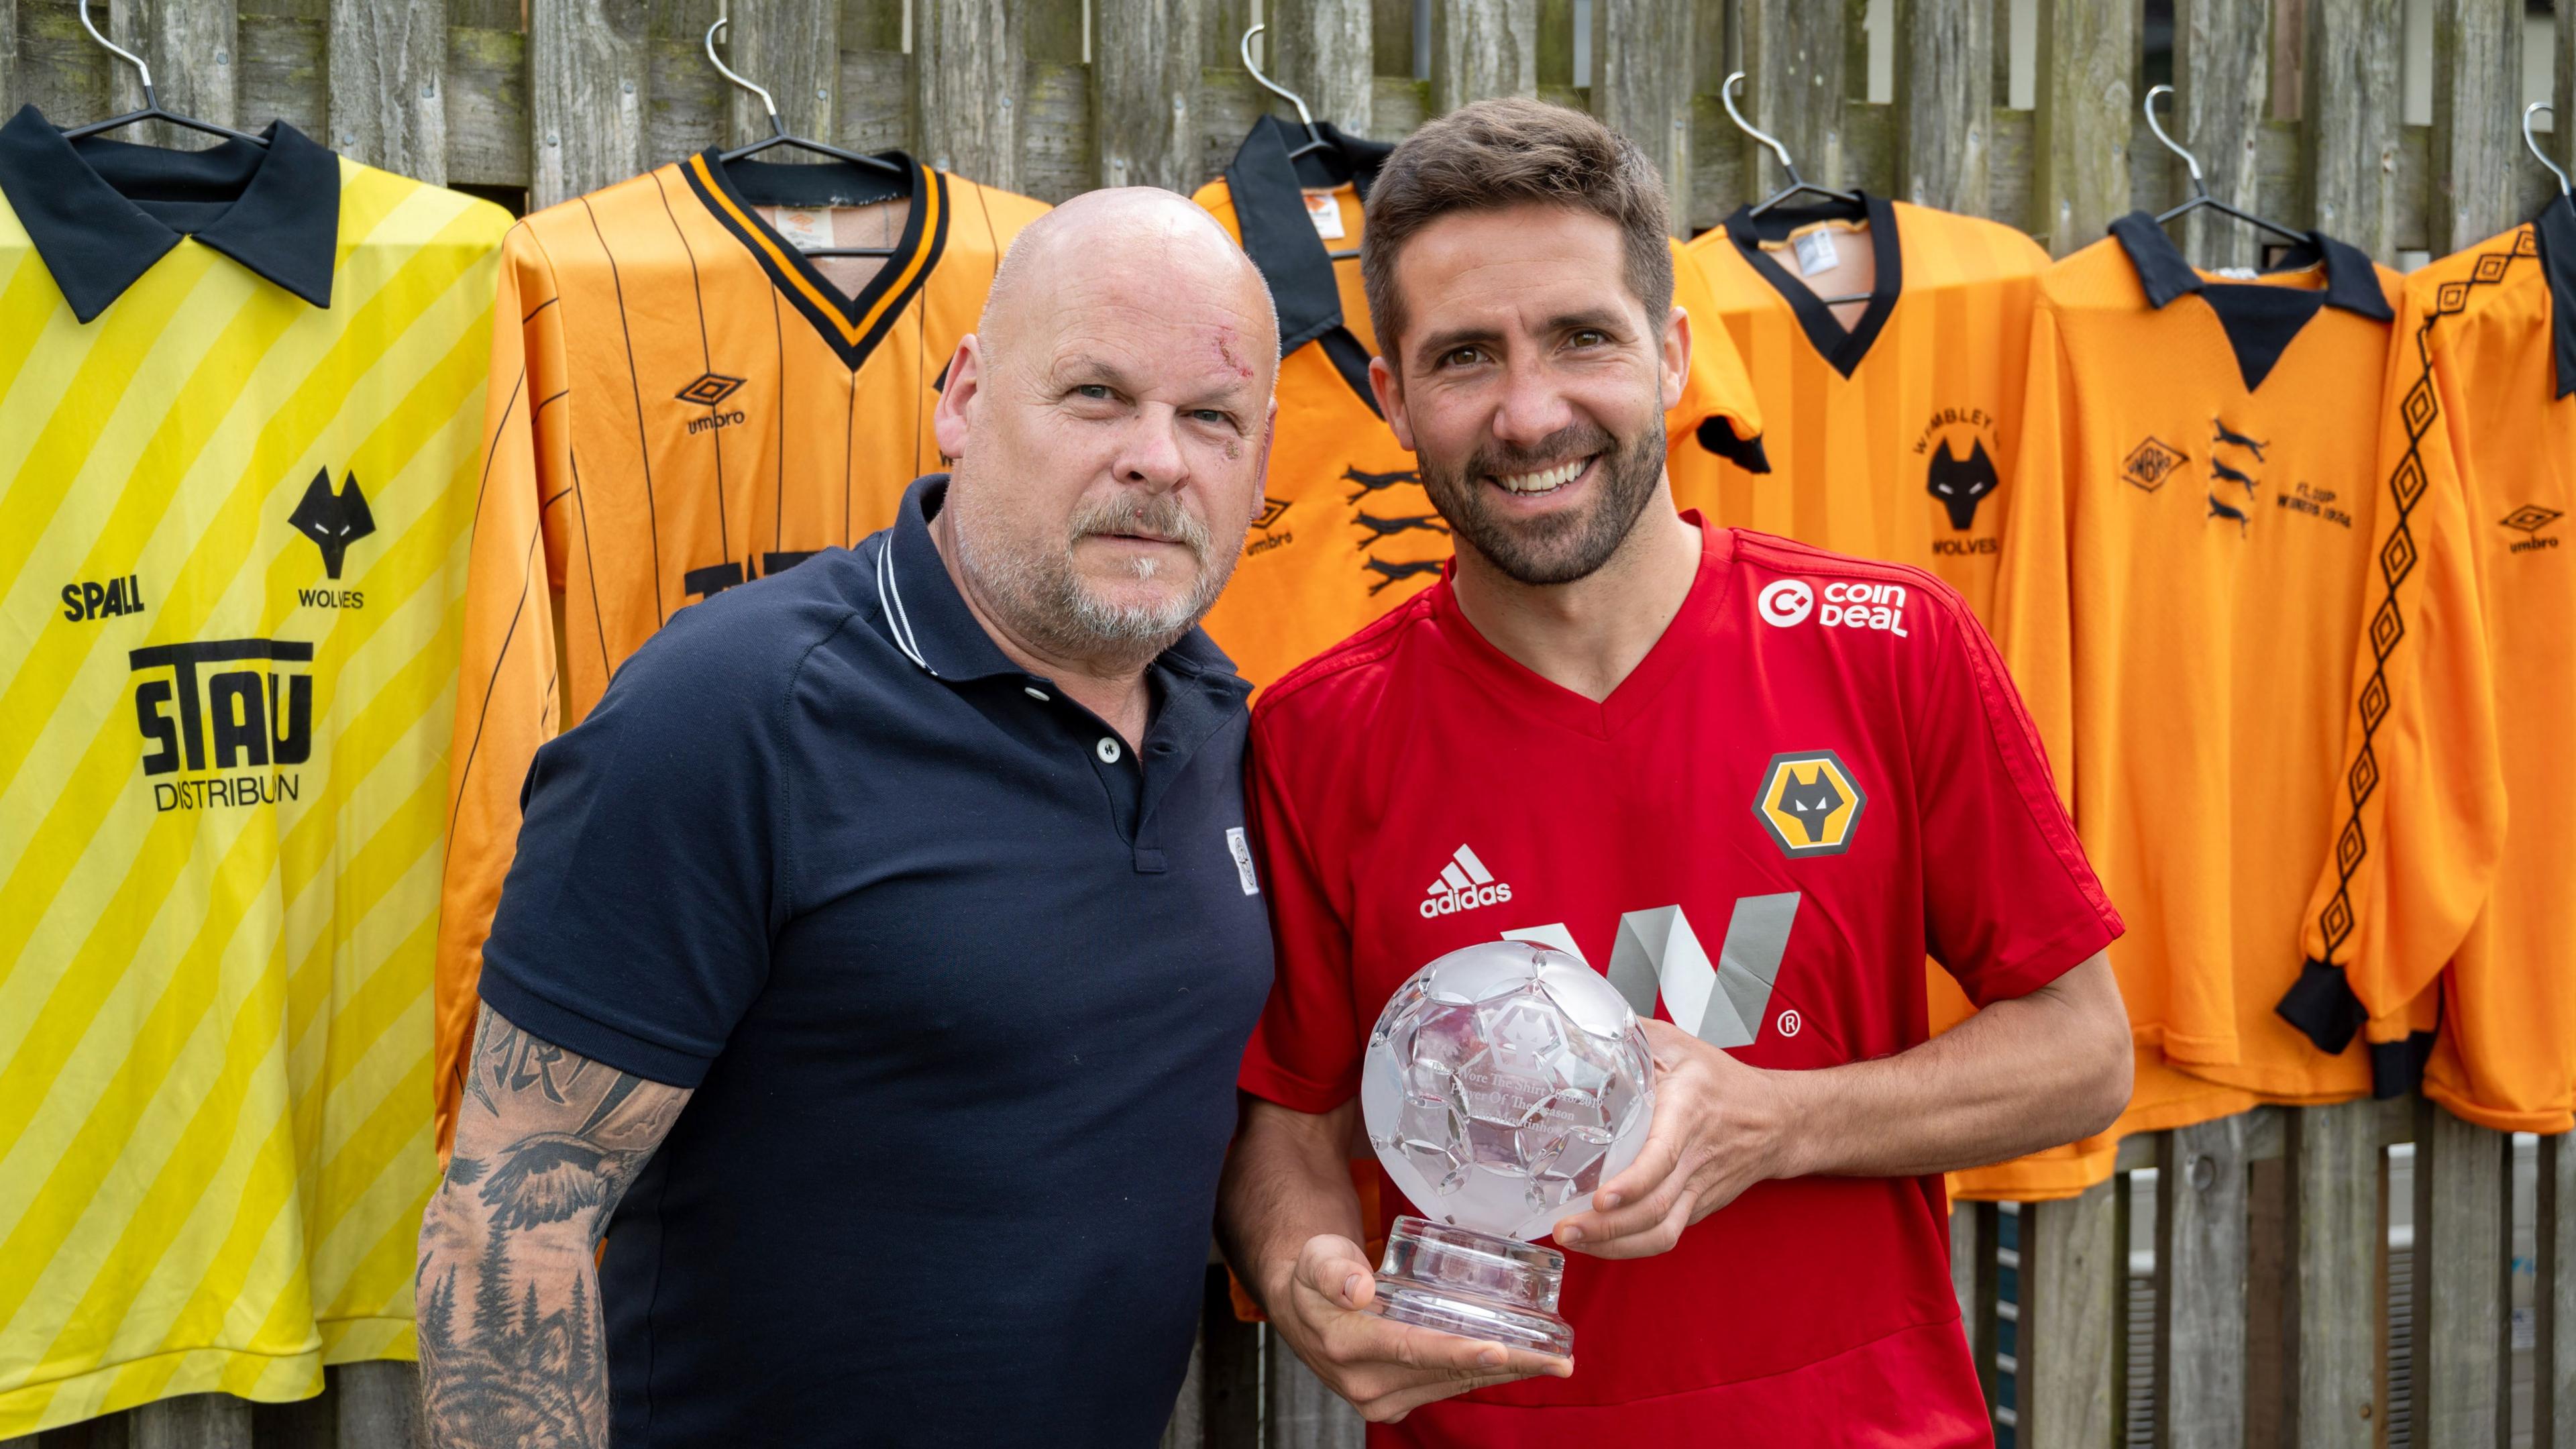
x=1590 y=337
x=1096 y=391
x=1462 y=357
x=1211 y=415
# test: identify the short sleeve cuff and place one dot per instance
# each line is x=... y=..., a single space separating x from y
x=2040 y=967
x=586 y=1036
x=1266 y=1080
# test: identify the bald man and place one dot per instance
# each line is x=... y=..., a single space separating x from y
x=879 y=953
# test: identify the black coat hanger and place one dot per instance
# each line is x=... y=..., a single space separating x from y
x=779 y=135
x=1798 y=185
x=1314 y=138
x=2200 y=197
x=152 y=108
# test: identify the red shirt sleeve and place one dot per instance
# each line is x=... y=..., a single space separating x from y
x=2010 y=902
x=1305 y=1053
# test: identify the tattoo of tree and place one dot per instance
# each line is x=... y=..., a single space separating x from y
x=509 y=1324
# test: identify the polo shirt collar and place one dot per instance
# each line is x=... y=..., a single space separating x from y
x=2554 y=234
x=1270 y=211
x=930 y=622
x=2352 y=284
x=90 y=208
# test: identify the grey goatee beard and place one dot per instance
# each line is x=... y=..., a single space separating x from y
x=1551 y=550
x=1041 y=597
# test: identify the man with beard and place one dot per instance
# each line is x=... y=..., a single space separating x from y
x=912 y=880
x=1708 y=758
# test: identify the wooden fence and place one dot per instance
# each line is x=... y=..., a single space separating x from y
x=2282 y=1297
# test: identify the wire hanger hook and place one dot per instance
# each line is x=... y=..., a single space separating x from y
x=2199 y=187
x=1726 y=93
x=767 y=102
x=1314 y=138
x=2534 y=143
x=120 y=52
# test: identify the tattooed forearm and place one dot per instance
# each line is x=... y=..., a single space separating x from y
x=507 y=1293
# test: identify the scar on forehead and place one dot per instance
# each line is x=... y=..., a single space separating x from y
x=1225 y=348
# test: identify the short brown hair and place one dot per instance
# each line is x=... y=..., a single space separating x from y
x=1507 y=152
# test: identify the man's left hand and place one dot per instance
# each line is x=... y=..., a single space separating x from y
x=1719 y=1127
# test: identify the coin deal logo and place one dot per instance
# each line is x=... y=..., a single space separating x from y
x=1785 y=603
x=1809 y=803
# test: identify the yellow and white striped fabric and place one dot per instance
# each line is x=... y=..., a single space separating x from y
x=233 y=539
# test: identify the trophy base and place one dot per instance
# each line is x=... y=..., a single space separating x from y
x=1475 y=1285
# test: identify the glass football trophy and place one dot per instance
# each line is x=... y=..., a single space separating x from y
x=1503 y=1084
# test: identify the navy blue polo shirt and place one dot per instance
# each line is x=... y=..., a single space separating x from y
x=961 y=983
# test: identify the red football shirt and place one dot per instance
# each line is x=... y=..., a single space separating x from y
x=1819 y=775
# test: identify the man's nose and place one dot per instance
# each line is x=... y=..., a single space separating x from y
x=1533 y=406
x=1149 y=453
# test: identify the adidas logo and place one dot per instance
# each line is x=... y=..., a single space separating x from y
x=1464 y=884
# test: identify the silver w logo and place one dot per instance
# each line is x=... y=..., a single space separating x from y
x=1658 y=954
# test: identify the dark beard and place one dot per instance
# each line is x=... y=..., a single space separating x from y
x=1555 y=550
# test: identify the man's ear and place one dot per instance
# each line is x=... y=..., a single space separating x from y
x=952 y=420
x=1390 y=400
x=1676 y=358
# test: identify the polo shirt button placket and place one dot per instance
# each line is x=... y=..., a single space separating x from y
x=1107 y=750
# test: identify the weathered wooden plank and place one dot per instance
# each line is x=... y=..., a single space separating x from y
x=2072 y=1269
x=2335 y=1167
x=379 y=1405
x=1145 y=92
x=283 y=75
x=1869 y=145
x=192 y=1421
x=876 y=100
x=1395 y=41
x=2271 y=1256
x=586 y=67
x=1985 y=1337
x=688 y=104
x=2477 y=108
x=1401 y=107
x=2200 y=1285
x=2554 y=1351
x=793 y=48
x=2222 y=87
x=1058 y=156
x=1230 y=1379
x=1324 y=53
x=388 y=82
x=1186 y=1428
x=1718 y=162
x=1944 y=96
x=1973 y=1283
x=9 y=57
x=61 y=71
x=2087 y=95
x=1301 y=1412
x=1641 y=51
x=2461 y=1288
x=2562 y=93
x=1963 y=1261
x=191 y=46
x=312 y=1423
x=487 y=107
x=966 y=67
x=1793 y=88
x=2008 y=170
x=2352 y=119
x=1483 y=48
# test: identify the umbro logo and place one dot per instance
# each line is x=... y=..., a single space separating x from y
x=709 y=389
x=2529 y=520
x=1464 y=884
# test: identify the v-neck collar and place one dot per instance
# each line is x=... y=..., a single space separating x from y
x=102 y=212
x=1268 y=190
x=1842 y=347
x=2260 y=319
x=851 y=326
x=1527 y=690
